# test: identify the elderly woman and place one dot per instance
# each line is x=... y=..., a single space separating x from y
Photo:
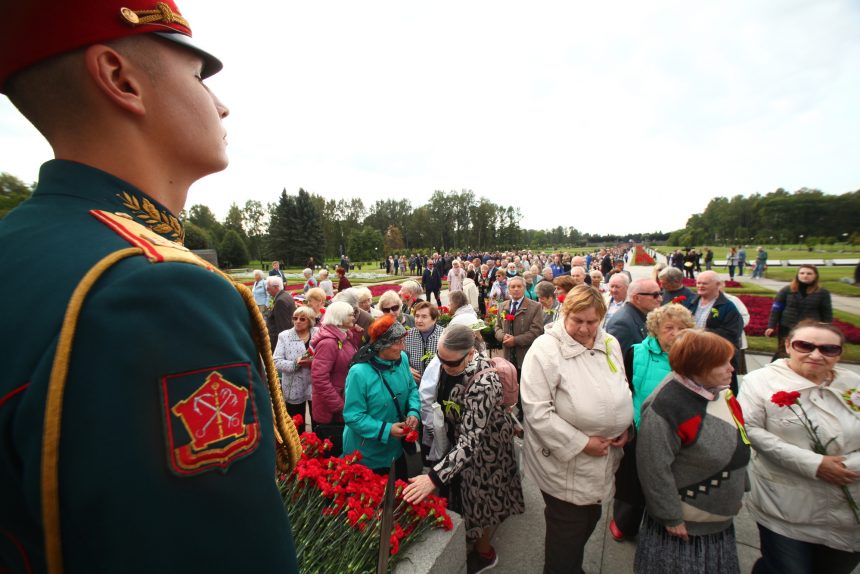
x=692 y=453
x=390 y=302
x=325 y=283
x=578 y=416
x=342 y=282
x=261 y=294
x=478 y=473
x=410 y=294
x=563 y=284
x=334 y=346
x=646 y=365
x=456 y=276
x=381 y=404
x=310 y=282
x=422 y=340
x=484 y=282
x=499 y=290
x=293 y=359
x=802 y=299
x=365 y=302
x=530 y=285
x=804 y=519
x=545 y=292
x=315 y=299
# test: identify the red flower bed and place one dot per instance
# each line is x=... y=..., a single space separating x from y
x=641 y=257
x=377 y=290
x=692 y=283
x=759 y=308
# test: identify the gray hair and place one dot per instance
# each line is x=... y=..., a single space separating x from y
x=324 y=273
x=620 y=277
x=671 y=275
x=337 y=313
x=390 y=295
x=411 y=286
x=457 y=299
x=516 y=278
x=637 y=287
x=361 y=293
x=306 y=311
x=258 y=272
x=273 y=280
x=457 y=338
x=307 y=271
x=348 y=296
x=545 y=289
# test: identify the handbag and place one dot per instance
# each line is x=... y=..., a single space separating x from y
x=411 y=454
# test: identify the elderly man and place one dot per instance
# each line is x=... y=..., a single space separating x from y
x=431 y=281
x=713 y=312
x=628 y=324
x=579 y=261
x=410 y=293
x=280 y=318
x=517 y=333
x=143 y=395
x=674 y=290
x=617 y=296
x=579 y=275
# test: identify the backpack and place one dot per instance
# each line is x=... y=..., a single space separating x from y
x=507 y=375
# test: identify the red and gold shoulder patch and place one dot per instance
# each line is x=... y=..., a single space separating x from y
x=210 y=418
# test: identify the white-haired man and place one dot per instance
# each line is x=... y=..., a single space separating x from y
x=280 y=318
x=628 y=324
x=617 y=296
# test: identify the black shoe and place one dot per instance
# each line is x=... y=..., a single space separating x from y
x=477 y=562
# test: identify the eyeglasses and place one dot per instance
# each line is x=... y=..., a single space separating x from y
x=655 y=294
x=452 y=363
x=299 y=318
x=807 y=347
x=391 y=309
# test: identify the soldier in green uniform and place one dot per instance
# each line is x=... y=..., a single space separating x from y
x=140 y=429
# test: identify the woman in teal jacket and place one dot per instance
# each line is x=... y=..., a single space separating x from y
x=381 y=404
x=646 y=365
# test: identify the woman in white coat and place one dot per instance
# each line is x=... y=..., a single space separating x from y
x=578 y=416
x=805 y=522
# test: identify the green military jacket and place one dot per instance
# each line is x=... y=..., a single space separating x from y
x=166 y=459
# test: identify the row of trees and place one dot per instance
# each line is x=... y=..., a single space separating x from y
x=805 y=216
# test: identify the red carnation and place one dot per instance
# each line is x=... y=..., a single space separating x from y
x=509 y=317
x=561 y=298
x=411 y=437
x=322 y=310
x=679 y=298
x=328 y=297
x=785 y=398
x=298 y=420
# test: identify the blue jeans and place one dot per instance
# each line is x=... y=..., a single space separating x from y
x=759 y=270
x=783 y=555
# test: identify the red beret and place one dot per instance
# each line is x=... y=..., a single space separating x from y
x=34 y=30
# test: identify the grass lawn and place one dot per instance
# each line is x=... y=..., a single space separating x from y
x=838 y=251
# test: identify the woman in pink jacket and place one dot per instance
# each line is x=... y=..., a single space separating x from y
x=334 y=345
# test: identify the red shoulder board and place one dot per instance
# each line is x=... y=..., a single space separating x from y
x=210 y=418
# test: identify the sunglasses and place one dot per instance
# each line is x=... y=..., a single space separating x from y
x=452 y=363
x=807 y=347
x=655 y=294
x=299 y=318
x=391 y=309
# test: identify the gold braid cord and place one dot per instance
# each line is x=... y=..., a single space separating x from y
x=54 y=411
x=288 y=446
x=161 y=15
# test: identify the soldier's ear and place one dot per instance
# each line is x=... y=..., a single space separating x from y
x=115 y=77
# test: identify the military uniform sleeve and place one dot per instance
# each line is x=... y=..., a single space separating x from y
x=167 y=440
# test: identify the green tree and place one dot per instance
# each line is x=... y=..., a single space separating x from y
x=12 y=192
x=254 y=225
x=197 y=238
x=233 y=252
x=365 y=244
x=202 y=216
x=234 y=221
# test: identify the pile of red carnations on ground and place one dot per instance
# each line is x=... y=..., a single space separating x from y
x=759 y=307
x=641 y=257
x=335 y=509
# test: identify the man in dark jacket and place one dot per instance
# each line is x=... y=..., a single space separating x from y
x=628 y=324
x=713 y=312
x=281 y=317
x=672 y=282
x=431 y=281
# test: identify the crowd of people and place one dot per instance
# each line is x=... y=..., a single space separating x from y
x=627 y=389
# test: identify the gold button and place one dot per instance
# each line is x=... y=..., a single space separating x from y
x=129 y=15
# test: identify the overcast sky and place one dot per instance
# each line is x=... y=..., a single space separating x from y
x=611 y=117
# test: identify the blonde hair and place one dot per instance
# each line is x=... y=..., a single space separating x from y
x=670 y=312
x=583 y=297
x=315 y=293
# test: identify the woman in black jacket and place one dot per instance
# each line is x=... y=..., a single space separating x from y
x=802 y=299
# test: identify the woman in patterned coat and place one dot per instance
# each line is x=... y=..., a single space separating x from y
x=479 y=474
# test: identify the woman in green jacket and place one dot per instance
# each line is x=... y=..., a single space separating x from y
x=381 y=404
x=646 y=365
